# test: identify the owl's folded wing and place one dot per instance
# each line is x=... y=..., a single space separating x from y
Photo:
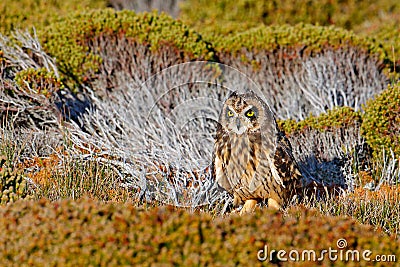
x=285 y=165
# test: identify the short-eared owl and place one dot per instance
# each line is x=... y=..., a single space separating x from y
x=252 y=159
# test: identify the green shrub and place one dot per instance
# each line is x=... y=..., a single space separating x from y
x=38 y=13
x=223 y=16
x=381 y=121
x=337 y=118
x=216 y=19
x=80 y=42
x=386 y=29
x=296 y=41
x=30 y=97
x=84 y=232
x=307 y=68
x=388 y=34
x=13 y=186
x=39 y=81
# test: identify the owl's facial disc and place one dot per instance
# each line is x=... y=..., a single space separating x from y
x=240 y=122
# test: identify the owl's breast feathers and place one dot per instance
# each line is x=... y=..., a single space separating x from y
x=250 y=169
x=236 y=160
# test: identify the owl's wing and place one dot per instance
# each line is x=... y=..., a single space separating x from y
x=219 y=173
x=218 y=165
x=287 y=172
x=286 y=165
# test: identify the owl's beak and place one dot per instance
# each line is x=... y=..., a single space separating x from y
x=238 y=123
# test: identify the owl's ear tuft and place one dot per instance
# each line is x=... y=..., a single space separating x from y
x=233 y=94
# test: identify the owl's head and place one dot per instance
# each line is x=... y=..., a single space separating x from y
x=244 y=113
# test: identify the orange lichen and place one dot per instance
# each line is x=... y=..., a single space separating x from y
x=41 y=169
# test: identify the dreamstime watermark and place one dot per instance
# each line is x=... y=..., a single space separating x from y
x=340 y=253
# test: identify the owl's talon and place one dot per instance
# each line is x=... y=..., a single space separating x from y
x=236 y=210
x=273 y=204
x=249 y=206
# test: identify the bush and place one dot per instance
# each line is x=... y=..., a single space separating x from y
x=38 y=81
x=13 y=186
x=224 y=16
x=377 y=21
x=27 y=13
x=337 y=118
x=388 y=33
x=384 y=28
x=301 y=40
x=170 y=7
x=30 y=98
x=85 y=233
x=305 y=68
x=142 y=44
x=381 y=121
x=329 y=148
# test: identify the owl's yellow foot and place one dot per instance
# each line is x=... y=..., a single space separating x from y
x=273 y=204
x=248 y=206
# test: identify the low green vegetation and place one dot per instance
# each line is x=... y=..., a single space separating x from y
x=40 y=81
x=334 y=119
x=13 y=185
x=75 y=41
x=377 y=22
x=23 y=14
x=222 y=16
x=388 y=33
x=88 y=232
x=381 y=121
x=301 y=40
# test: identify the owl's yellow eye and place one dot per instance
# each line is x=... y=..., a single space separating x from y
x=230 y=113
x=250 y=113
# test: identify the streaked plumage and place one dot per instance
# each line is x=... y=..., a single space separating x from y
x=252 y=159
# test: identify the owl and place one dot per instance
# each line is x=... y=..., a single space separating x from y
x=252 y=158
